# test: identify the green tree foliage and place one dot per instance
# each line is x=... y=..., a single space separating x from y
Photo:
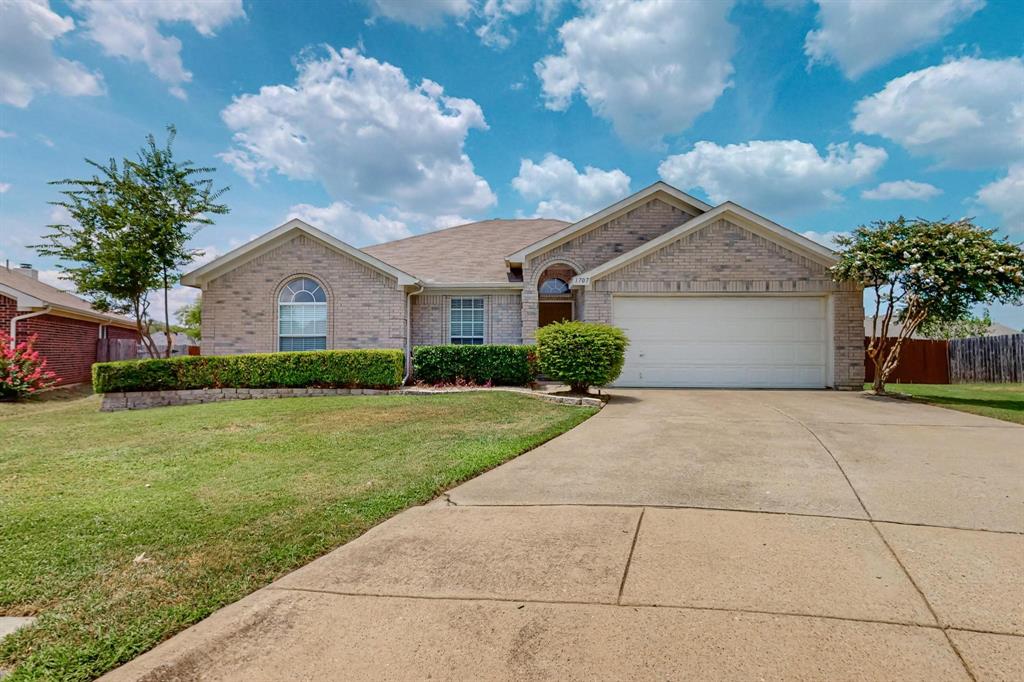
x=190 y=318
x=956 y=329
x=581 y=354
x=130 y=229
x=926 y=270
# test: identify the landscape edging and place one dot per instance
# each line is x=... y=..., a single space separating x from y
x=142 y=400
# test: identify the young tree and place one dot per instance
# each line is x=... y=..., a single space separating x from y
x=926 y=270
x=131 y=226
x=956 y=329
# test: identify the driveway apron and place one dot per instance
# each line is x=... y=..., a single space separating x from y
x=678 y=534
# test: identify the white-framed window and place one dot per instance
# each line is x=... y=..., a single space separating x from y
x=467 y=321
x=302 y=316
x=554 y=285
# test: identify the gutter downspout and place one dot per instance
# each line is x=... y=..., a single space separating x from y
x=408 y=333
x=15 y=320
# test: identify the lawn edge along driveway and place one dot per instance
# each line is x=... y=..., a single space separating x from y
x=120 y=529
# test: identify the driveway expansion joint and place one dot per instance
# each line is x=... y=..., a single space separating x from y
x=627 y=505
x=637 y=605
x=629 y=559
x=920 y=592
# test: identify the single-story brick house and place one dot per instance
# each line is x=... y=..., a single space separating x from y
x=708 y=295
x=67 y=326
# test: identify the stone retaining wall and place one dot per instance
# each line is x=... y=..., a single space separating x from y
x=141 y=400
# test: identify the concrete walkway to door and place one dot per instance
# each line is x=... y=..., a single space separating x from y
x=702 y=535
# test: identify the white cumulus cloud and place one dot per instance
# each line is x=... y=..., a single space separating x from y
x=497 y=31
x=4 y=187
x=964 y=113
x=131 y=29
x=775 y=177
x=421 y=13
x=357 y=126
x=860 y=35
x=349 y=225
x=563 y=192
x=902 y=189
x=649 y=67
x=827 y=238
x=1006 y=197
x=28 y=64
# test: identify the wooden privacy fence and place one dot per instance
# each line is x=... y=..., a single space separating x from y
x=997 y=359
x=922 y=361
x=108 y=350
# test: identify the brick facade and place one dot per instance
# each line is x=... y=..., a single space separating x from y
x=365 y=308
x=615 y=237
x=502 y=318
x=68 y=344
x=726 y=258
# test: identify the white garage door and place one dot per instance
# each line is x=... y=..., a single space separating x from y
x=725 y=341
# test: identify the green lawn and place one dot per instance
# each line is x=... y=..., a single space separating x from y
x=1001 y=401
x=120 y=529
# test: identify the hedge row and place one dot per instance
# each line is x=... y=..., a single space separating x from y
x=328 y=369
x=502 y=365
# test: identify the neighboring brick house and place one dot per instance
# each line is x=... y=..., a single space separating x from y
x=67 y=326
x=709 y=296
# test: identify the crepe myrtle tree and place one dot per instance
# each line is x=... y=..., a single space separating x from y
x=922 y=270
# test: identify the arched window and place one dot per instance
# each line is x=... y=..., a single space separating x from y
x=302 y=316
x=554 y=285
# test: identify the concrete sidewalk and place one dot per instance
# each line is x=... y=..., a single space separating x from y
x=675 y=535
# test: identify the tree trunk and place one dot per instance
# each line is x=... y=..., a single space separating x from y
x=167 y=318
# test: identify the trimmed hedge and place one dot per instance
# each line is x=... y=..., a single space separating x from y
x=325 y=368
x=581 y=354
x=502 y=365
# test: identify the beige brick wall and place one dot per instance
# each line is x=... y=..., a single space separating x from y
x=430 y=316
x=726 y=258
x=617 y=236
x=366 y=309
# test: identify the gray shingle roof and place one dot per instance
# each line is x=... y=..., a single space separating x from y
x=471 y=253
x=55 y=297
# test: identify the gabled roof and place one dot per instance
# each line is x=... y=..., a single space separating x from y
x=734 y=212
x=662 y=189
x=465 y=254
x=31 y=294
x=280 y=235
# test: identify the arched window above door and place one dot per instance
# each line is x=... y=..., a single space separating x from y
x=554 y=286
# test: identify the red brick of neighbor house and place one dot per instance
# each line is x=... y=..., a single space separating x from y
x=67 y=333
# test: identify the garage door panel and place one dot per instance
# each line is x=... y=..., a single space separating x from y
x=723 y=341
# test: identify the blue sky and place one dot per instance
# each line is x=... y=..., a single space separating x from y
x=380 y=118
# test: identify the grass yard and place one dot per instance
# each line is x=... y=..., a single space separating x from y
x=120 y=529
x=1000 y=401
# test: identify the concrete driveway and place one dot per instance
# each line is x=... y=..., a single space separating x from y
x=676 y=535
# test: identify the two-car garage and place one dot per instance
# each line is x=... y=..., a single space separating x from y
x=724 y=341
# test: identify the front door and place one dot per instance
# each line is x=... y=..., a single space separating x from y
x=553 y=311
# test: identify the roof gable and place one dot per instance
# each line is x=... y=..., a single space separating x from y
x=743 y=217
x=659 y=189
x=280 y=235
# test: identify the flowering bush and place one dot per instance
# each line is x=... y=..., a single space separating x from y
x=22 y=370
